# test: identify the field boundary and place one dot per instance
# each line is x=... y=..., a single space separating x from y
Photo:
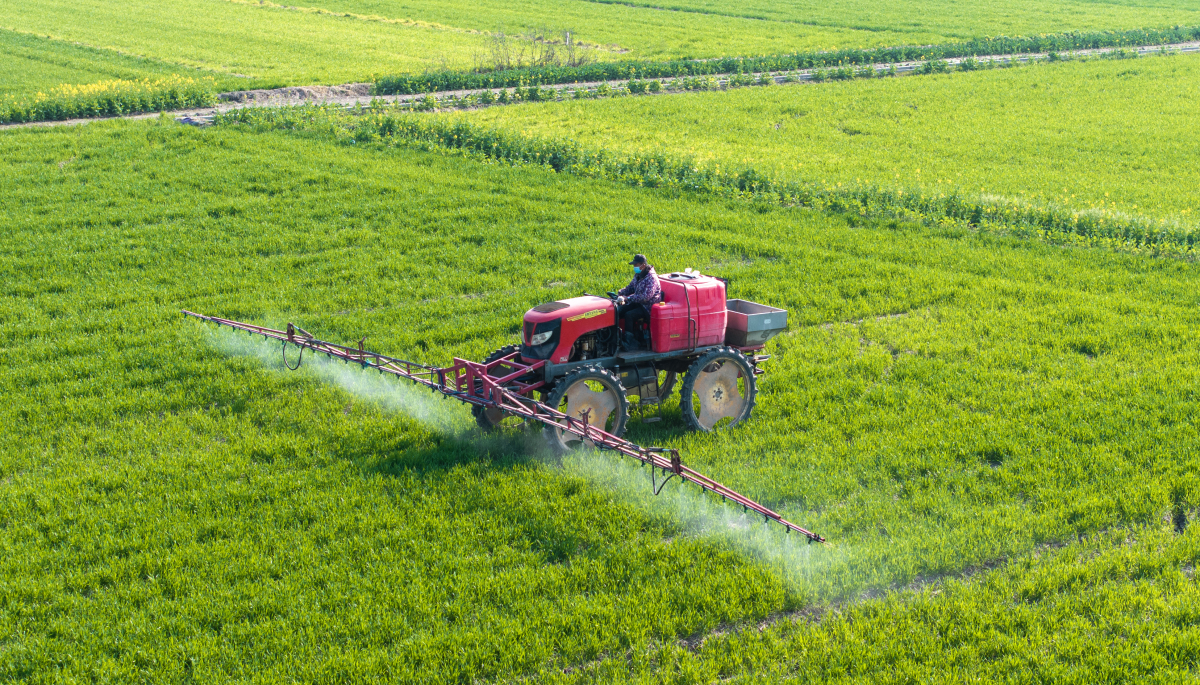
x=352 y=95
x=408 y=84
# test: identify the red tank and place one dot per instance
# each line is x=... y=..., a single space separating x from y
x=692 y=313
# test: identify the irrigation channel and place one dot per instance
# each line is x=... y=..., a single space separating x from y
x=358 y=94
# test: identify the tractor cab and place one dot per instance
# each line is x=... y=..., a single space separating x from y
x=576 y=329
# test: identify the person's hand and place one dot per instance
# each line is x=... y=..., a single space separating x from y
x=621 y=299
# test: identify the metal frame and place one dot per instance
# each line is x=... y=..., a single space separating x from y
x=473 y=383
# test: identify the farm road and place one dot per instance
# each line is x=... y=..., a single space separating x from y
x=354 y=94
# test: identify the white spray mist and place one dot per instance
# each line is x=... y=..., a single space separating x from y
x=803 y=566
x=387 y=391
x=704 y=514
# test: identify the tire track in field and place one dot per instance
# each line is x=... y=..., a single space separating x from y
x=406 y=21
x=359 y=94
x=816 y=613
x=749 y=17
x=351 y=15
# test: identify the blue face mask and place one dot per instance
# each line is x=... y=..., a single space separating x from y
x=637 y=270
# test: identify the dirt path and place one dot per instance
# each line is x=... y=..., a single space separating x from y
x=353 y=94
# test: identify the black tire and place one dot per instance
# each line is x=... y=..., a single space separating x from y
x=666 y=384
x=493 y=419
x=560 y=443
x=704 y=399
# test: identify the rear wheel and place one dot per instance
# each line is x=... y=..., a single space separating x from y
x=592 y=393
x=718 y=391
x=490 y=418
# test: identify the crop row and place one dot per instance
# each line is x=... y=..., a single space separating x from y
x=609 y=71
x=604 y=89
x=110 y=98
x=1068 y=133
x=380 y=123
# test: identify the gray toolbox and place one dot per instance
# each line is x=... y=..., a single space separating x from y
x=750 y=324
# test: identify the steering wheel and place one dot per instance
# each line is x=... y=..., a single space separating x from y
x=612 y=295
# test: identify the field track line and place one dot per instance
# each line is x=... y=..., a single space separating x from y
x=358 y=94
x=817 y=612
x=415 y=23
x=747 y=17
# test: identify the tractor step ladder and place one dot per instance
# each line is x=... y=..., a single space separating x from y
x=647 y=402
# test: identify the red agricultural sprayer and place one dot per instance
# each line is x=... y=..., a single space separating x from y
x=571 y=374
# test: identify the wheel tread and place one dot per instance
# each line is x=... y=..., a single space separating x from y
x=479 y=412
x=555 y=395
x=688 y=410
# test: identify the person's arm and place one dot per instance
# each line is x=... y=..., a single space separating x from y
x=629 y=289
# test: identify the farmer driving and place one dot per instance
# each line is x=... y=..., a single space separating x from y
x=634 y=301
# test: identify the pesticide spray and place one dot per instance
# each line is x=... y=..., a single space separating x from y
x=384 y=392
x=801 y=565
x=698 y=514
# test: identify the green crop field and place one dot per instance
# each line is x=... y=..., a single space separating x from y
x=945 y=21
x=1067 y=134
x=29 y=64
x=647 y=31
x=266 y=44
x=712 y=28
x=986 y=398
x=175 y=505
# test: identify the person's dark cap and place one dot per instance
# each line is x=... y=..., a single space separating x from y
x=638 y=259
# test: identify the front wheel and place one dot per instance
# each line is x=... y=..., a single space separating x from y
x=718 y=391
x=590 y=393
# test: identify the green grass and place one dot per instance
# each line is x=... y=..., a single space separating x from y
x=947 y=21
x=646 y=32
x=337 y=41
x=1068 y=134
x=1119 y=608
x=944 y=208
x=942 y=400
x=110 y=98
x=724 y=27
x=32 y=63
x=267 y=45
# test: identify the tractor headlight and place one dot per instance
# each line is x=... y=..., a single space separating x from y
x=543 y=339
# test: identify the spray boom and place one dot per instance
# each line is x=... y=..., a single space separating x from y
x=501 y=384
